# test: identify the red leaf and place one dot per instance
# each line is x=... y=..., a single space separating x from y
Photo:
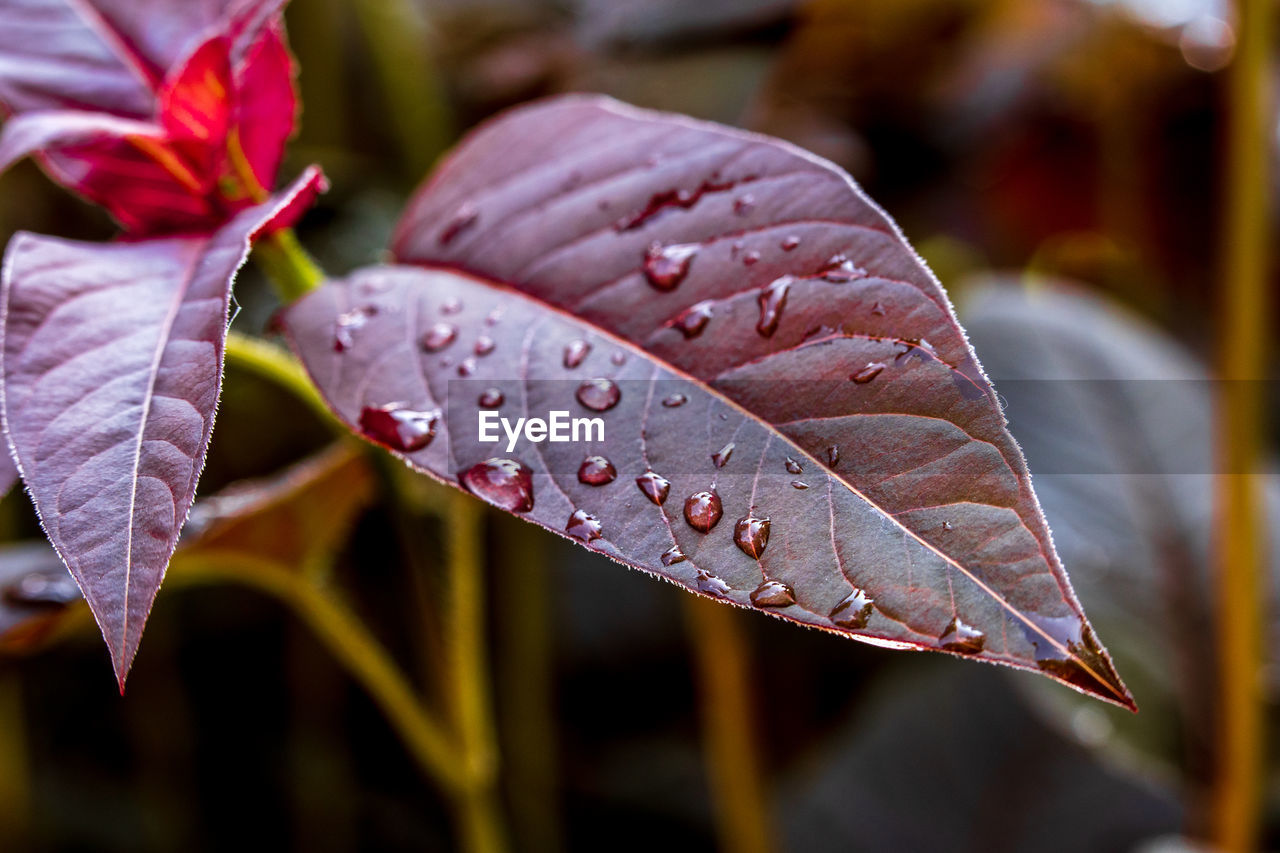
x=111 y=362
x=767 y=276
x=195 y=79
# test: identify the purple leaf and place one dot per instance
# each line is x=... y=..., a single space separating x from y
x=766 y=275
x=111 y=362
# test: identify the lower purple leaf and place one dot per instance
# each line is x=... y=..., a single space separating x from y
x=110 y=370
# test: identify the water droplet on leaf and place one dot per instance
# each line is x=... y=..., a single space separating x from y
x=751 y=258
x=439 y=336
x=721 y=457
x=710 y=584
x=797 y=484
x=744 y=204
x=694 y=320
x=853 y=611
x=618 y=358
x=674 y=401
x=346 y=326
x=492 y=398
x=505 y=483
x=596 y=471
x=833 y=455
x=673 y=555
x=599 y=395
x=790 y=242
x=399 y=427
x=841 y=270
x=655 y=486
x=574 y=353
x=772 y=300
x=793 y=467
x=484 y=345
x=866 y=374
x=466 y=217
x=773 y=594
x=666 y=266
x=450 y=306
x=702 y=510
x=751 y=535
x=583 y=525
x=962 y=638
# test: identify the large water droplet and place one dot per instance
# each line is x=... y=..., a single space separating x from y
x=710 y=584
x=574 y=353
x=439 y=336
x=841 y=270
x=465 y=217
x=793 y=467
x=666 y=266
x=773 y=594
x=43 y=589
x=833 y=455
x=491 y=398
x=346 y=326
x=721 y=457
x=673 y=555
x=505 y=483
x=772 y=300
x=962 y=638
x=866 y=374
x=655 y=487
x=703 y=510
x=484 y=345
x=695 y=319
x=599 y=395
x=596 y=471
x=790 y=242
x=673 y=401
x=751 y=535
x=853 y=611
x=583 y=525
x=399 y=427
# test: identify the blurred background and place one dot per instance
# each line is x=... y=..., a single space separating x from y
x=1059 y=163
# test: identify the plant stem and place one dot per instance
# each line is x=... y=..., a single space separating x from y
x=287 y=264
x=350 y=644
x=274 y=364
x=721 y=654
x=1238 y=538
x=464 y=625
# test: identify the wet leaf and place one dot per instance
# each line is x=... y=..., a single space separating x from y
x=824 y=325
x=112 y=361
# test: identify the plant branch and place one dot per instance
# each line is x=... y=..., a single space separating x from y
x=721 y=657
x=274 y=364
x=1237 y=790
x=350 y=644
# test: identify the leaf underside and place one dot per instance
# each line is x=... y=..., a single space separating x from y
x=111 y=358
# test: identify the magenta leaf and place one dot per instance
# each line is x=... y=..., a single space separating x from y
x=111 y=363
x=173 y=116
x=768 y=277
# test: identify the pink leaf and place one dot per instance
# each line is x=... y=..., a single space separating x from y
x=111 y=362
x=767 y=277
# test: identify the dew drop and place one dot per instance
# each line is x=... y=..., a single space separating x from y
x=450 y=306
x=833 y=455
x=491 y=398
x=751 y=258
x=674 y=401
x=346 y=326
x=655 y=487
x=721 y=456
x=797 y=484
x=467 y=367
x=772 y=300
x=710 y=584
x=596 y=471
x=505 y=483
x=484 y=345
x=694 y=320
x=673 y=555
x=877 y=309
x=43 y=589
x=790 y=243
x=773 y=594
x=853 y=611
x=599 y=395
x=794 y=467
x=751 y=535
x=462 y=220
x=399 y=427
x=492 y=318
x=666 y=266
x=583 y=525
x=866 y=374
x=962 y=638
x=841 y=270
x=574 y=353
x=743 y=205
x=618 y=358
x=946 y=525
x=703 y=510
x=439 y=336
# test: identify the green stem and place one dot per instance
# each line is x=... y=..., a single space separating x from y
x=287 y=264
x=1240 y=557
x=275 y=365
x=732 y=749
x=464 y=624
x=350 y=644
